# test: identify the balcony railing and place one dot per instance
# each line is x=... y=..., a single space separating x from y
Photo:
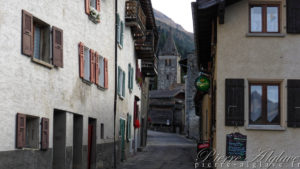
x=149 y=67
x=146 y=48
x=135 y=18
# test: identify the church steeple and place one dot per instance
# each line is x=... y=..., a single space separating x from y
x=169 y=48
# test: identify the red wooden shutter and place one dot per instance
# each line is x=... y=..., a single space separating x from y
x=45 y=134
x=21 y=130
x=98 y=5
x=81 y=59
x=97 y=70
x=105 y=73
x=87 y=7
x=27 y=33
x=57 y=47
x=92 y=65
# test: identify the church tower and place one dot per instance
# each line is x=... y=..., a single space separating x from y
x=169 y=72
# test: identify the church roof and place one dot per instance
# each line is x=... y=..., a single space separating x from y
x=169 y=47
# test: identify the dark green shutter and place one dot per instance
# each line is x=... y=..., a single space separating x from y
x=122 y=34
x=123 y=86
x=293 y=119
x=128 y=127
x=234 y=101
x=293 y=16
x=118 y=28
x=119 y=80
x=129 y=76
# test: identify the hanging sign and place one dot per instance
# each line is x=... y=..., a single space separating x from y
x=236 y=144
x=202 y=83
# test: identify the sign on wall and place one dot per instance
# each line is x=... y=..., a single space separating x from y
x=202 y=83
x=236 y=145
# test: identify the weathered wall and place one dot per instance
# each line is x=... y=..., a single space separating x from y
x=164 y=71
x=256 y=58
x=192 y=121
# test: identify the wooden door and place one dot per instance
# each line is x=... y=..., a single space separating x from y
x=90 y=141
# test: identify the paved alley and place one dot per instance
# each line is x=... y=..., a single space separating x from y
x=164 y=151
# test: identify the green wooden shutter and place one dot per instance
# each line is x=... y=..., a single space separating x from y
x=118 y=28
x=122 y=34
x=129 y=76
x=119 y=80
x=123 y=86
x=128 y=127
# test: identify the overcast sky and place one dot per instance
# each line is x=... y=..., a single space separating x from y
x=179 y=11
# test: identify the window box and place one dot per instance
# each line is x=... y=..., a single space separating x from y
x=264 y=18
x=94 y=15
x=266 y=127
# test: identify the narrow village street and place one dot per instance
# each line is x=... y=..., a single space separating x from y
x=163 y=151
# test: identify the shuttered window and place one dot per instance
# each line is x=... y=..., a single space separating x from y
x=122 y=34
x=234 y=101
x=101 y=69
x=87 y=64
x=36 y=41
x=118 y=29
x=106 y=73
x=293 y=16
x=121 y=82
x=129 y=119
x=293 y=103
x=45 y=134
x=130 y=77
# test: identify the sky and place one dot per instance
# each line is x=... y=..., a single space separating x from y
x=179 y=11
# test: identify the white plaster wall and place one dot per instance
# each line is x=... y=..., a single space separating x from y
x=29 y=88
x=126 y=55
x=256 y=58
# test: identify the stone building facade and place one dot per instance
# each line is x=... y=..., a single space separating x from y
x=58 y=76
x=252 y=58
x=169 y=72
x=192 y=120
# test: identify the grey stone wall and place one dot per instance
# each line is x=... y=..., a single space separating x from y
x=192 y=121
x=171 y=71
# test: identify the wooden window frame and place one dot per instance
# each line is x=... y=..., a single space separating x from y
x=264 y=102
x=264 y=6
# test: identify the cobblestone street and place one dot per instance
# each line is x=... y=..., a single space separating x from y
x=164 y=151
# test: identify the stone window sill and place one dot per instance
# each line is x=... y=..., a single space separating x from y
x=48 y=65
x=101 y=88
x=265 y=35
x=121 y=97
x=265 y=127
x=86 y=82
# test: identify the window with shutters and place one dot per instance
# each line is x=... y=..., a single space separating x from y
x=121 y=83
x=264 y=103
x=87 y=64
x=37 y=43
x=130 y=77
x=264 y=18
x=27 y=131
x=101 y=72
x=120 y=31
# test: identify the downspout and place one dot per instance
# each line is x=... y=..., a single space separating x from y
x=115 y=95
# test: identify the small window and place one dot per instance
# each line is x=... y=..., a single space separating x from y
x=264 y=18
x=264 y=104
x=121 y=82
x=87 y=64
x=93 y=4
x=41 y=36
x=102 y=131
x=101 y=74
x=167 y=77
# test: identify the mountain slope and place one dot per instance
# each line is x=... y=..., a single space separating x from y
x=184 y=40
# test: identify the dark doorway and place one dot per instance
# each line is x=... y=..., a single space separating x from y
x=59 y=139
x=77 y=141
x=92 y=143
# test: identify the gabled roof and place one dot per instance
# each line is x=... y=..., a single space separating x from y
x=169 y=48
x=168 y=93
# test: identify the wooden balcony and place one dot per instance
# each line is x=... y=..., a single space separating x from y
x=136 y=19
x=146 y=48
x=149 y=67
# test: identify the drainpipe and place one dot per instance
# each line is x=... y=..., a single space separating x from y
x=115 y=95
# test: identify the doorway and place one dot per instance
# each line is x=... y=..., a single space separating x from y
x=92 y=143
x=59 y=139
x=122 y=134
x=77 y=141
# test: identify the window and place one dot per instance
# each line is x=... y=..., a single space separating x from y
x=102 y=131
x=92 y=8
x=167 y=77
x=265 y=18
x=36 y=41
x=101 y=70
x=120 y=31
x=130 y=77
x=121 y=82
x=86 y=64
x=93 y=4
x=168 y=62
x=264 y=103
x=28 y=132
